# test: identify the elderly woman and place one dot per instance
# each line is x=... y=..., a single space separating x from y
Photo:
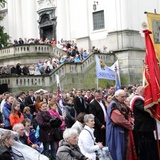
x=86 y=140
x=6 y=141
x=68 y=148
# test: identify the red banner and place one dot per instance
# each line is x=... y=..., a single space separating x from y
x=152 y=78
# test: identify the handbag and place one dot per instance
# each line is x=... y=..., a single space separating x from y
x=97 y=156
x=55 y=122
x=58 y=134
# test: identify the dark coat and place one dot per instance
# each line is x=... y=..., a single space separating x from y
x=145 y=142
x=70 y=115
x=1 y=117
x=46 y=131
x=78 y=105
x=18 y=69
x=143 y=121
x=96 y=110
x=5 y=153
x=13 y=70
x=22 y=104
x=29 y=103
x=25 y=70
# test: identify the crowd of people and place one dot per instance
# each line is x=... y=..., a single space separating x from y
x=71 y=55
x=62 y=44
x=88 y=119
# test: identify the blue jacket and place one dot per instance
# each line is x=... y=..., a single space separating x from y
x=76 y=60
x=6 y=113
x=32 y=139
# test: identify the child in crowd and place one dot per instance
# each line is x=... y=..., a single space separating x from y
x=16 y=116
x=27 y=113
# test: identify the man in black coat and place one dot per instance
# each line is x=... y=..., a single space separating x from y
x=25 y=70
x=98 y=109
x=30 y=101
x=21 y=100
x=145 y=142
x=79 y=103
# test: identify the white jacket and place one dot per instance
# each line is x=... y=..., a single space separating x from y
x=86 y=143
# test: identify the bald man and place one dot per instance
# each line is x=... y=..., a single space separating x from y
x=117 y=126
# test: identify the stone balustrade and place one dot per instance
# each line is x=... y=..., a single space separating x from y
x=31 y=48
x=48 y=80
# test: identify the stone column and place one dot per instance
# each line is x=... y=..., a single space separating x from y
x=62 y=19
x=14 y=19
x=29 y=19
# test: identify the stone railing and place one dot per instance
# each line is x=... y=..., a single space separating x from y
x=48 y=80
x=30 y=48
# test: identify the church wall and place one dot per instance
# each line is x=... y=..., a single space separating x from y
x=75 y=19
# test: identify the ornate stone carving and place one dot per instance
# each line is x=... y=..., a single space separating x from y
x=46 y=4
x=2 y=5
x=3 y=13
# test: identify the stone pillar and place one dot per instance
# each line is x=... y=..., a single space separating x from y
x=14 y=19
x=62 y=20
x=29 y=19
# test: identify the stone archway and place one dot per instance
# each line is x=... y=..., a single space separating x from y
x=47 y=23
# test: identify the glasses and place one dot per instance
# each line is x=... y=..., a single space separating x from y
x=123 y=96
x=22 y=129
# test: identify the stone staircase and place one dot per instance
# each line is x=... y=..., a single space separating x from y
x=72 y=75
x=80 y=75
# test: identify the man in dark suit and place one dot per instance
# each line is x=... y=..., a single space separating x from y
x=21 y=100
x=144 y=125
x=79 y=103
x=30 y=101
x=98 y=109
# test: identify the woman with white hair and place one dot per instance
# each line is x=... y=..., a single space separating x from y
x=6 y=141
x=86 y=140
x=68 y=148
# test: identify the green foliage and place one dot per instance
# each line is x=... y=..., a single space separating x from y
x=3 y=36
x=124 y=80
x=1 y=4
x=103 y=83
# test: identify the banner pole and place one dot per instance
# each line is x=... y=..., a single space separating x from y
x=97 y=83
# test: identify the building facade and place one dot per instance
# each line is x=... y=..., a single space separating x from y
x=88 y=22
x=115 y=24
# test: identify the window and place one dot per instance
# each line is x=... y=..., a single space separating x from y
x=98 y=20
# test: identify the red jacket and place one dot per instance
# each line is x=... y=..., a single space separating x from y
x=14 y=119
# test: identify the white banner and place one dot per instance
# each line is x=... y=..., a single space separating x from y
x=103 y=71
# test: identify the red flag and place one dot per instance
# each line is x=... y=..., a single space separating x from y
x=152 y=78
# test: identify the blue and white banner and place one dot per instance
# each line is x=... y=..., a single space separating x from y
x=116 y=69
x=103 y=71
